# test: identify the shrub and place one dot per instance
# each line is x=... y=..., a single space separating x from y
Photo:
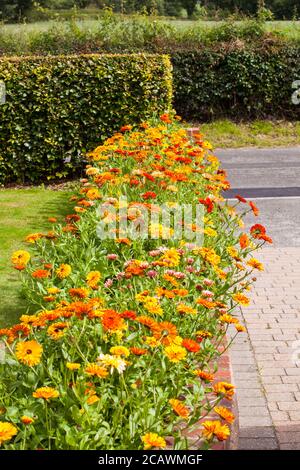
x=236 y=82
x=131 y=327
x=52 y=102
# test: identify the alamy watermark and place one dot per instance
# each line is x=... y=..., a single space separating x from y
x=119 y=219
x=2 y=93
x=296 y=94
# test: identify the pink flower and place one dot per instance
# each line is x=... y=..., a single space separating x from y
x=190 y=260
x=154 y=253
x=120 y=275
x=190 y=269
x=144 y=265
x=108 y=283
x=112 y=256
x=208 y=282
x=151 y=273
x=222 y=311
x=207 y=293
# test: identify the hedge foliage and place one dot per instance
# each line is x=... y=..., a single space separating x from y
x=238 y=83
x=58 y=107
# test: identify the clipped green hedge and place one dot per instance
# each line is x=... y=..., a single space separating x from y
x=236 y=82
x=58 y=107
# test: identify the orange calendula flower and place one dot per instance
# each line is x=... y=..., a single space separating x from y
x=183 y=309
x=179 y=408
x=92 y=279
x=112 y=321
x=94 y=369
x=92 y=399
x=20 y=330
x=151 y=439
x=125 y=128
x=175 y=353
x=215 y=429
x=206 y=303
x=255 y=264
x=254 y=208
x=147 y=321
x=73 y=365
x=79 y=292
x=63 y=271
x=41 y=274
x=225 y=413
x=29 y=352
x=244 y=240
x=46 y=393
x=241 y=299
x=226 y=318
x=206 y=376
x=166 y=118
x=224 y=388
x=33 y=237
x=7 y=432
x=138 y=351
x=20 y=257
x=191 y=345
x=165 y=332
x=27 y=420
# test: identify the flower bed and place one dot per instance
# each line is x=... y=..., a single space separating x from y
x=121 y=352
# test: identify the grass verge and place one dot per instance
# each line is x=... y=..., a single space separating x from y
x=227 y=134
x=22 y=211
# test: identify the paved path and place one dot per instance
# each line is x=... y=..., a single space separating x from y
x=266 y=361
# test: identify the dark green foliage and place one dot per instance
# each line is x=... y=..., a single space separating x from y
x=237 y=83
x=58 y=107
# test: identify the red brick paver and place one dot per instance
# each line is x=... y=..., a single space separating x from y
x=266 y=361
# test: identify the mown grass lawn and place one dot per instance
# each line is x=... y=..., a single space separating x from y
x=23 y=211
x=226 y=134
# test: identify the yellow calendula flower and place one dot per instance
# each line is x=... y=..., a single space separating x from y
x=210 y=232
x=93 y=194
x=153 y=440
x=94 y=369
x=46 y=393
x=29 y=352
x=119 y=351
x=152 y=306
x=209 y=255
x=233 y=252
x=53 y=290
x=241 y=299
x=20 y=257
x=175 y=353
x=225 y=413
x=216 y=429
x=255 y=264
x=73 y=365
x=171 y=258
x=179 y=408
x=92 y=171
x=63 y=271
x=7 y=432
x=93 y=278
x=152 y=342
